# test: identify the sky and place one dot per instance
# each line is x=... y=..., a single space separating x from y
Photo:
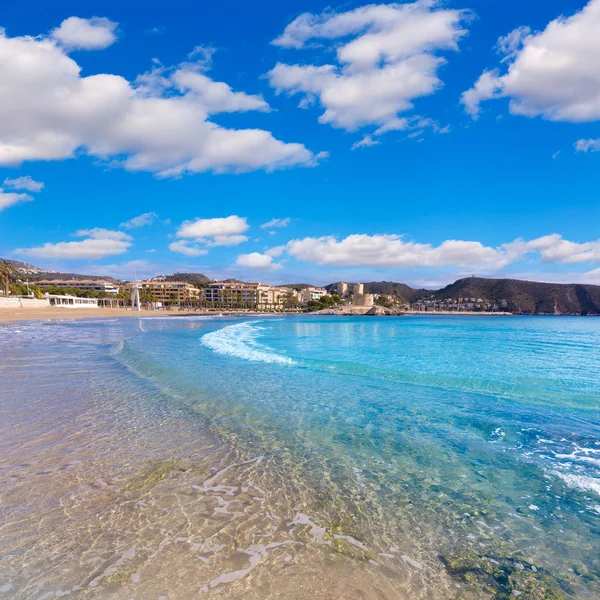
x=289 y=142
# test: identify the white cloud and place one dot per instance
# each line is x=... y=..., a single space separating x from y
x=392 y=251
x=389 y=250
x=222 y=231
x=555 y=249
x=10 y=199
x=161 y=123
x=387 y=55
x=365 y=142
x=227 y=240
x=591 y=277
x=554 y=73
x=140 y=221
x=186 y=248
x=99 y=243
x=583 y=146
x=76 y=33
x=276 y=251
x=24 y=183
x=276 y=223
x=204 y=228
x=255 y=260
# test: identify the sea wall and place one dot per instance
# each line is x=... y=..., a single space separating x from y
x=24 y=303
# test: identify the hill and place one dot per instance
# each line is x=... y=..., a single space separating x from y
x=23 y=266
x=192 y=278
x=389 y=288
x=528 y=297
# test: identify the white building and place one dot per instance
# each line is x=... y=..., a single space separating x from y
x=311 y=293
x=71 y=301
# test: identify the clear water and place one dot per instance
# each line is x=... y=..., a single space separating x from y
x=417 y=457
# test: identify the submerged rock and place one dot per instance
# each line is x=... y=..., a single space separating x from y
x=503 y=577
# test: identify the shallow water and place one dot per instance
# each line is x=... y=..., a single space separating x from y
x=300 y=457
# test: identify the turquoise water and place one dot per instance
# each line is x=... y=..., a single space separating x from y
x=465 y=450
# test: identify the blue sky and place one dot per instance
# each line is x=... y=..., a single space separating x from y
x=413 y=142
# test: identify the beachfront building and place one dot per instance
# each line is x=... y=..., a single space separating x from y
x=71 y=301
x=167 y=293
x=311 y=293
x=251 y=296
x=95 y=285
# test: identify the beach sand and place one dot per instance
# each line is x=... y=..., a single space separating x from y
x=8 y=315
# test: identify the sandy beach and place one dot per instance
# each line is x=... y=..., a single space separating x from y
x=41 y=314
x=10 y=315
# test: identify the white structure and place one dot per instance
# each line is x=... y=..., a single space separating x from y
x=81 y=284
x=311 y=293
x=71 y=301
x=135 y=296
x=17 y=302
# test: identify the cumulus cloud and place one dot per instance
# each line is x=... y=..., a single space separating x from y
x=76 y=33
x=24 y=183
x=581 y=146
x=11 y=198
x=140 y=221
x=222 y=231
x=276 y=223
x=98 y=243
x=222 y=226
x=255 y=260
x=387 y=56
x=187 y=249
x=391 y=250
x=162 y=123
x=554 y=73
x=555 y=249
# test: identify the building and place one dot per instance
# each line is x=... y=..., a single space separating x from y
x=166 y=292
x=342 y=289
x=71 y=301
x=255 y=296
x=359 y=298
x=311 y=293
x=98 y=285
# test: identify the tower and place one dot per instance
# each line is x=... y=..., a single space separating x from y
x=135 y=296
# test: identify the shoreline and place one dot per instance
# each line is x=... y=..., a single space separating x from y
x=52 y=314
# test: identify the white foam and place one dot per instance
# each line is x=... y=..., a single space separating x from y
x=240 y=340
x=580 y=482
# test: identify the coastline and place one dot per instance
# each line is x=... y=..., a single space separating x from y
x=51 y=314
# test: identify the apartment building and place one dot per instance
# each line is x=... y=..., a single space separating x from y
x=255 y=296
x=98 y=285
x=167 y=292
x=311 y=293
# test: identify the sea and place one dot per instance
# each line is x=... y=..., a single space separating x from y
x=317 y=457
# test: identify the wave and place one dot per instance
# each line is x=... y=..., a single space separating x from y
x=582 y=483
x=240 y=340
